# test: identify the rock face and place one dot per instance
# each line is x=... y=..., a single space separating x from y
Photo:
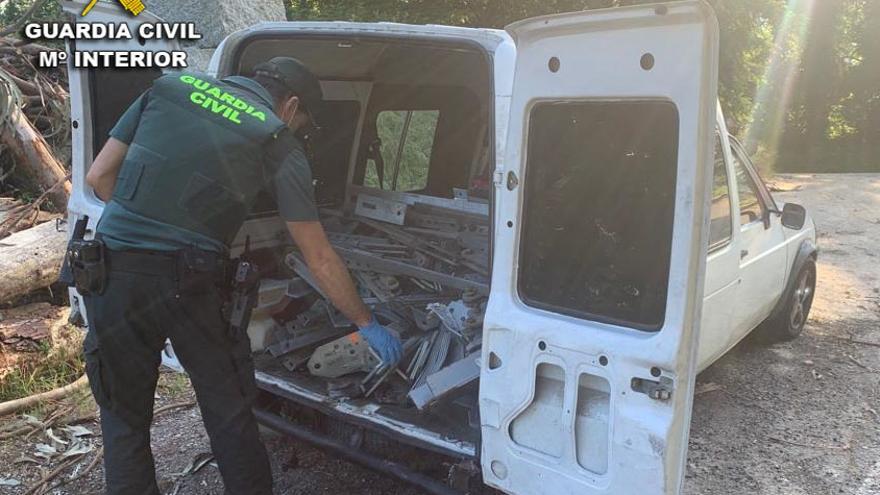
x=215 y=20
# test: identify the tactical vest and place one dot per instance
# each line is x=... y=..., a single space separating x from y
x=197 y=158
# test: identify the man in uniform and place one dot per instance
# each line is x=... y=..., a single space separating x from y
x=180 y=172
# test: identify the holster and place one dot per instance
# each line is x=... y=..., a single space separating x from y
x=88 y=264
x=65 y=276
x=245 y=292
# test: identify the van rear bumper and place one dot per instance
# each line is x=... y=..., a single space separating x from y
x=336 y=447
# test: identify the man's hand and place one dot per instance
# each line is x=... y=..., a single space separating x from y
x=104 y=170
x=385 y=343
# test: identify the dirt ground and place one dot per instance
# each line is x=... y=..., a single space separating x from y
x=794 y=418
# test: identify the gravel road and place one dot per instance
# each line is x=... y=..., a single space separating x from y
x=794 y=418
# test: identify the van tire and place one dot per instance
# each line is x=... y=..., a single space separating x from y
x=788 y=324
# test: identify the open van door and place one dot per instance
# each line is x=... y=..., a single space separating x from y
x=98 y=97
x=589 y=344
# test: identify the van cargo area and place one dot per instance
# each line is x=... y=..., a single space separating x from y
x=402 y=172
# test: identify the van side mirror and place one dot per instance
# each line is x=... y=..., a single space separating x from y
x=794 y=216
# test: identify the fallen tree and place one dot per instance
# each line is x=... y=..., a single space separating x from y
x=34 y=158
x=30 y=260
x=17 y=405
x=33 y=125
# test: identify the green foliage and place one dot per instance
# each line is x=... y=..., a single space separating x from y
x=11 y=11
x=53 y=368
x=417 y=147
x=799 y=79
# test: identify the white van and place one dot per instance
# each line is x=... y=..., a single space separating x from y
x=631 y=241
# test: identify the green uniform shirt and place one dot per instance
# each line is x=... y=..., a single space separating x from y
x=123 y=229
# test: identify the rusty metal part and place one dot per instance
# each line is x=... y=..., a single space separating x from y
x=306 y=339
x=368 y=280
x=413 y=241
x=386 y=210
x=436 y=356
x=446 y=381
x=412 y=298
x=295 y=360
x=382 y=371
x=345 y=355
x=389 y=283
x=361 y=260
x=371 y=383
x=337 y=319
x=425 y=320
x=419 y=358
x=453 y=315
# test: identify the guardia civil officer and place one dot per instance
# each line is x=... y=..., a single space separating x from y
x=180 y=172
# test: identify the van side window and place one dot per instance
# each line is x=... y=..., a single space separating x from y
x=750 y=207
x=599 y=206
x=407 y=138
x=720 y=209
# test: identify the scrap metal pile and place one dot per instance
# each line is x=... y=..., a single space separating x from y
x=424 y=271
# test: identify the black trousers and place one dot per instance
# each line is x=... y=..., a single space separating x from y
x=128 y=325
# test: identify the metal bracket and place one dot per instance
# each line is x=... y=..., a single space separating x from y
x=385 y=210
x=343 y=356
x=657 y=390
x=446 y=381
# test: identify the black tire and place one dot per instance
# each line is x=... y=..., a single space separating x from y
x=789 y=323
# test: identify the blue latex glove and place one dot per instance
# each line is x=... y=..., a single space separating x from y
x=385 y=343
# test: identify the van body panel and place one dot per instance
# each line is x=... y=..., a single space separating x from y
x=559 y=407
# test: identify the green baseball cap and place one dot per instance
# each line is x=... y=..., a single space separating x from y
x=294 y=75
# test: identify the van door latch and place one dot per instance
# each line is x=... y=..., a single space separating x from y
x=512 y=181
x=657 y=390
x=498 y=179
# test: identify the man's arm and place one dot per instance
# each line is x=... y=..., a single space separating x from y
x=104 y=170
x=296 y=205
x=102 y=175
x=329 y=271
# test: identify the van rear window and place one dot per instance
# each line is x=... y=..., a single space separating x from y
x=111 y=93
x=598 y=213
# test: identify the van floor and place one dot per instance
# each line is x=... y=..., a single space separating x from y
x=449 y=423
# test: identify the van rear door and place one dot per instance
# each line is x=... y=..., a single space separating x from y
x=98 y=97
x=590 y=334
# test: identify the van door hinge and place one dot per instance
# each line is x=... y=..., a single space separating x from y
x=657 y=390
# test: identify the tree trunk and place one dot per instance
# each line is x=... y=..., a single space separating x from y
x=30 y=260
x=34 y=157
x=14 y=406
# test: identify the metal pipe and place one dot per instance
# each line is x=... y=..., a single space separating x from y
x=340 y=449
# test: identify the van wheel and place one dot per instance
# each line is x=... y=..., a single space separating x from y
x=789 y=323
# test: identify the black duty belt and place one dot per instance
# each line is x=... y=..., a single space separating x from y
x=146 y=262
x=175 y=264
